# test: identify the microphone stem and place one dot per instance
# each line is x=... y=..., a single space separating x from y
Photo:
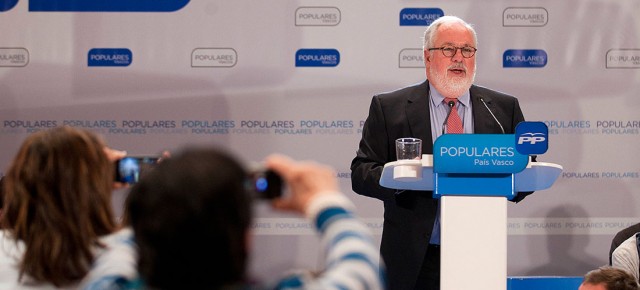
x=492 y=115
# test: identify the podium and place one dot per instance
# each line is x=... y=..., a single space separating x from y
x=474 y=189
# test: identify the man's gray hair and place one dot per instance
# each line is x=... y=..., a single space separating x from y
x=431 y=32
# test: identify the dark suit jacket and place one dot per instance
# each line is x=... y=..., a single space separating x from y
x=409 y=216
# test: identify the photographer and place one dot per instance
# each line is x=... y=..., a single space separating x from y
x=191 y=218
x=58 y=229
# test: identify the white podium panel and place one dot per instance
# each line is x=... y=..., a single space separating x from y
x=473 y=236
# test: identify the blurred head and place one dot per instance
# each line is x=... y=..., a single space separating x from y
x=453 y=75
x=1 y=197
x=57 y=201
x=608 y=278
x=191 y=216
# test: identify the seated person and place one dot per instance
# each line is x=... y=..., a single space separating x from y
x=608 y=278
x=58 y=229
x=625 y=256
x=191 y=218
x=621 y=236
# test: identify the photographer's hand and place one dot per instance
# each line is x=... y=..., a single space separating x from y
x=306 y=180
x=113 y=155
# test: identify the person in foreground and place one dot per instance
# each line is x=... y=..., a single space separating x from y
x=191 y=218
x=608 y=278
x=411 y=232
x=58 y=229
x=622 y=236
x=626 y=257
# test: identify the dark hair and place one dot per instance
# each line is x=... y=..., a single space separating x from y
x=190 y=216
x=612 y=278
x=1 y=200
x=57 y=201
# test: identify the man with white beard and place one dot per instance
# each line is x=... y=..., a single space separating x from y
x=410 y=244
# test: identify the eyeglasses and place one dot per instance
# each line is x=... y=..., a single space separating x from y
x=450 y=50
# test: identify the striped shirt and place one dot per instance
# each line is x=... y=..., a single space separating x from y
x=352 y=260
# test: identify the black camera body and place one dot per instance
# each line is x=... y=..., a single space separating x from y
x=131 y=168
x=265 y=184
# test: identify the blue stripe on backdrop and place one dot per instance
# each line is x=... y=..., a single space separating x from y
x=106 y=5
x=544 y=282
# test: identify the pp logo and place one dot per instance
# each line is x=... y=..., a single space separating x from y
x=531 y=138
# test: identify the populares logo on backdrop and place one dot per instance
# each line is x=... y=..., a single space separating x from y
x=105 y=5
x=419 y=16
x=411 y=58
x=109 y=57
x=532 y=138
x=327 y=57
x=524 y=16
x=318 y=16
x=214 y=57
x=526 y=58
x=14 y=57
x=623 y=58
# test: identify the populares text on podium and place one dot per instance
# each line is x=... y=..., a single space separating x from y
x=474 y=175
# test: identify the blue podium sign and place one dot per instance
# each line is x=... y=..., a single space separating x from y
x=477 y=153
x=476 y=165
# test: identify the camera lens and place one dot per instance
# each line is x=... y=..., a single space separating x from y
x=265 y=184
x=262 y=184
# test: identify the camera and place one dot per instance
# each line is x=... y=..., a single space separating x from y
x=264 y=184
x=131 y=168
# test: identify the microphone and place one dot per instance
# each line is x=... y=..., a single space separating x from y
x=444 y=125
x=492 y=115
